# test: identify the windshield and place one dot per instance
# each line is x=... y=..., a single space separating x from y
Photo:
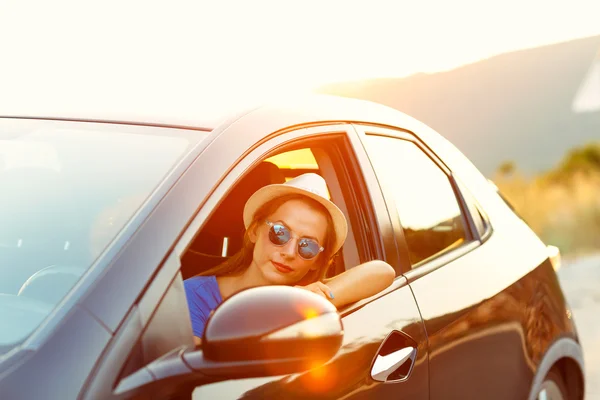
x=66 y=190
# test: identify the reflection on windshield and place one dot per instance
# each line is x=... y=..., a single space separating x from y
x=67 y=190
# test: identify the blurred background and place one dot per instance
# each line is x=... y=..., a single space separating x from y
x=513 y=84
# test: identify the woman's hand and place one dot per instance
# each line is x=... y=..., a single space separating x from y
x=319 y=288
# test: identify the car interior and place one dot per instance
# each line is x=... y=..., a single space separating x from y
x=221 y=236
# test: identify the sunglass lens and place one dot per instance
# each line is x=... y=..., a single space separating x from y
x=279 y=234
x=308 y=248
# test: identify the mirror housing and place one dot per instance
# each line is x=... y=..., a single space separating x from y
x=271 y=323
x=263 y=331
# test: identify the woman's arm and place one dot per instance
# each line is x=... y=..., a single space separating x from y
x=355 y=284
x=360 y=282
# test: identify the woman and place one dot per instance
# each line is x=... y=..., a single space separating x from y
x=293 y=231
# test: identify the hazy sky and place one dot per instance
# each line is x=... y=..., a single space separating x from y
x=221 y=52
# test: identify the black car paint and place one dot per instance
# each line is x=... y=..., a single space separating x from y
x=348 y=373
x=106 y=316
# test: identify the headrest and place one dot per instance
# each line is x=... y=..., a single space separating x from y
x=228 y=221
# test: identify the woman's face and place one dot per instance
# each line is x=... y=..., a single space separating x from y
x=281 y=265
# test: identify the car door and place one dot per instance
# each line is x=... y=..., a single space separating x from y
x=375 y=330
x=465 y=280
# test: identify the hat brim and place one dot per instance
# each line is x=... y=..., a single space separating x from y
x=270 y=192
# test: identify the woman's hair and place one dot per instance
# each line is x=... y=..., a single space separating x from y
x=239 y=262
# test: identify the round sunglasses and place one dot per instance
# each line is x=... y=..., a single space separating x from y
x=280 y=234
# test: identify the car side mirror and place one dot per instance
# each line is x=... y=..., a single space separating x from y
x=264 y=331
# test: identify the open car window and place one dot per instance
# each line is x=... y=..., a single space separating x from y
x=222 y=235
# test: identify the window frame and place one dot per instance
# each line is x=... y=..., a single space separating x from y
x=428 y=265
x=474 y=207
x=303 y=137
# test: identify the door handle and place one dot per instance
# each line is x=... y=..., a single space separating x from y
x=385 y=366
x=395 y=359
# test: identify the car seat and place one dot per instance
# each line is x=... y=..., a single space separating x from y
x=206 y=250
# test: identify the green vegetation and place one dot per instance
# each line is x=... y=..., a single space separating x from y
x=507 y=168
x=563 y=204
x=584 y=160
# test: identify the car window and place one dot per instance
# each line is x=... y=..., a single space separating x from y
x=427 y=206
x=67 y=190
x=222 y=235
x=295 y=162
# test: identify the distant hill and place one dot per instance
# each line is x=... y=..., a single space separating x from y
x=515 y=106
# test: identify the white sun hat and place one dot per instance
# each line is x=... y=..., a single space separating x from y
x=310 y=185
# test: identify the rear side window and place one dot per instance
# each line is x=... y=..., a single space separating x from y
x=426 y=203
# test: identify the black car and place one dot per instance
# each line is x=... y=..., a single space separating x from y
x=102 y=219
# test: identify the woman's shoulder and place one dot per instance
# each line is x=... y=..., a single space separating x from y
x=198 y=282
x=203 y=288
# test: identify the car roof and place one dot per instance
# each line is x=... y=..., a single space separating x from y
x=283 y=113
x=187 y=114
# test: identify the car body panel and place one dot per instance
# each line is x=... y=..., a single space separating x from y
x=489 y=340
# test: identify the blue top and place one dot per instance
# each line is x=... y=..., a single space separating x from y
x=203 y=296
